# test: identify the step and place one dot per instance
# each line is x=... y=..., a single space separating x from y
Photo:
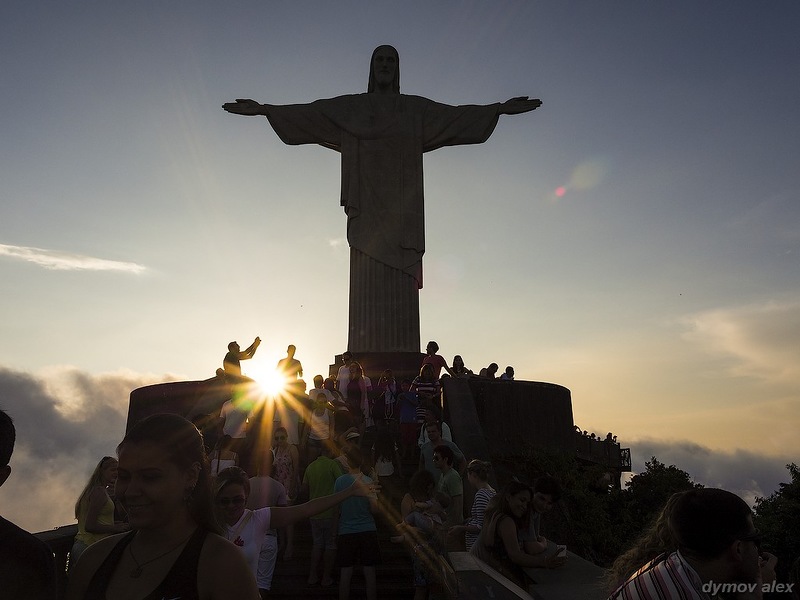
x=394 y=574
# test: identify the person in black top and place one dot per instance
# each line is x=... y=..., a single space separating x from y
x=27 y=567
x=174 y=551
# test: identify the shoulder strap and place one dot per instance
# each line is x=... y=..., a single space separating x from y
x=99 y=582
x=181 y=581
x=242 y=525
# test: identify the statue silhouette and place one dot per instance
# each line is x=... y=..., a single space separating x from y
x=382 y=136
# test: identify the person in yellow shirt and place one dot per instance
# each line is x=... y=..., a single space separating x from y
x=95 y=509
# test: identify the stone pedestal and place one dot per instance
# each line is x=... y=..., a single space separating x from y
x=404 y=365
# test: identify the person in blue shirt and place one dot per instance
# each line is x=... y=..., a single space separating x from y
x=357 y=541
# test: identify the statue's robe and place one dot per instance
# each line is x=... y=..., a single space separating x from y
x=381 y=138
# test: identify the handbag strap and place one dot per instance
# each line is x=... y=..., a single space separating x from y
x=244 y=522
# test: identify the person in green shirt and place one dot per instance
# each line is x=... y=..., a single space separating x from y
x=319 y=480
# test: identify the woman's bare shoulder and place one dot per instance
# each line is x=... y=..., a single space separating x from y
x=220 y=556
x=89 y=562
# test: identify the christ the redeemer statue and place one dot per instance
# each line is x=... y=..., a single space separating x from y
x=381 y=136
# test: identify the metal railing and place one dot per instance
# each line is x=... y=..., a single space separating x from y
x=60 y=541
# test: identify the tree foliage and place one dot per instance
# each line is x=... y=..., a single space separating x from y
x=778 y=518
x=648 y=492
x=599 y=523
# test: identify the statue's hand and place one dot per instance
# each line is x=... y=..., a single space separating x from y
x=518 y=105
x=244 y=106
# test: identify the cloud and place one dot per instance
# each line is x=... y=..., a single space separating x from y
x=66 y=421
x=742 y=472
x=761 y=341
x=65 y=261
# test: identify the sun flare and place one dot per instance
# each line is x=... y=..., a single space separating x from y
x=271 y=382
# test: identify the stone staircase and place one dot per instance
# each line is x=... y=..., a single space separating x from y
x=394 y=574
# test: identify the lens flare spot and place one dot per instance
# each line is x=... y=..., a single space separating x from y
x=589 y=174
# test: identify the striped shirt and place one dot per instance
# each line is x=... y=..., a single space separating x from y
x=427 y=390
x=664 y=578
x=479 y=504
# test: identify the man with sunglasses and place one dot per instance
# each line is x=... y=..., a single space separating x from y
x=717 y=550
x=426 y=452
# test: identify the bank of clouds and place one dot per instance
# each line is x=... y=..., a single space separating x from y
x=66 y=421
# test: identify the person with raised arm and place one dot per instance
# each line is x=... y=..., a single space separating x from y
x=231 y=363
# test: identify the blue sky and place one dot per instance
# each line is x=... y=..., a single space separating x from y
x=635 y=239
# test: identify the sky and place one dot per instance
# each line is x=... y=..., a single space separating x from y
x=636 y=239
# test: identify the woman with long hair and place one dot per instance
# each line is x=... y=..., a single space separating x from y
x=95 y=509
x=654 y=541
x=174 y=550
x=497 y=543
x=458 y=369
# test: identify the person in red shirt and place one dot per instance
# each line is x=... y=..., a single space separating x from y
x=436 y=361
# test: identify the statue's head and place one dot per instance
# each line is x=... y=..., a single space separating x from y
x=384 y=69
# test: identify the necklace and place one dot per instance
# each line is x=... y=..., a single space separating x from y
x=139 y=569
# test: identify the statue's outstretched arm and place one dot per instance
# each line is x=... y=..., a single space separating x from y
x=515 y=106
x=245 y=106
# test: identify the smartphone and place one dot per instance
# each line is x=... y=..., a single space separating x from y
x=561 y=551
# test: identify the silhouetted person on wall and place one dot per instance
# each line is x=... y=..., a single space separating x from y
x=27 y=567
x=290 y=367
x=436 y=360
x=234 y=355
x=508 y=374
x=489 y=371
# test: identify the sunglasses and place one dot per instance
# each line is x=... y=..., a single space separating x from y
x=237 y=501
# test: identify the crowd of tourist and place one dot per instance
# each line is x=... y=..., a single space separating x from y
x=332 y=448
x=335 y=463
